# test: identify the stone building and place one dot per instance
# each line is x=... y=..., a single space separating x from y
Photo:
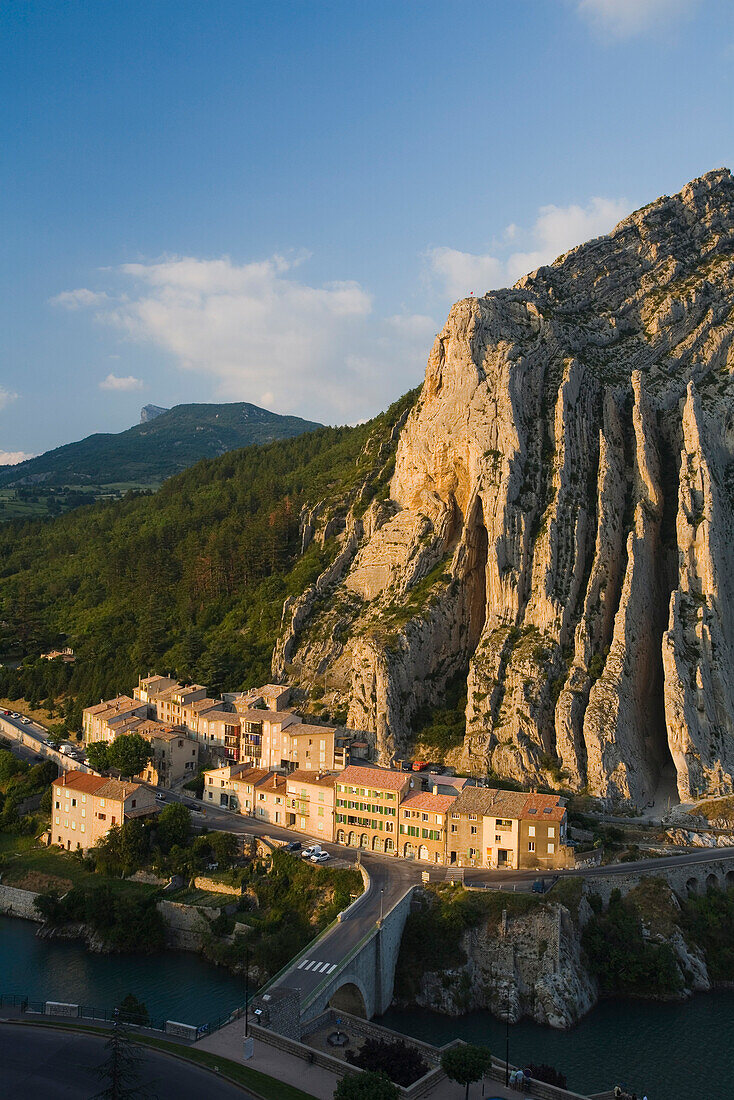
x=85 y=807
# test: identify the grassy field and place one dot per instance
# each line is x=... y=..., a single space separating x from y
x=27 y=865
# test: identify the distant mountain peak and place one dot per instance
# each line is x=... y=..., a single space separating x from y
x=150 y=412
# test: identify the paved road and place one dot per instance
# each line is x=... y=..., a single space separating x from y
x=60 y=1065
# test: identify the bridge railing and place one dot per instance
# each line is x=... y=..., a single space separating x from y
x=325 y=982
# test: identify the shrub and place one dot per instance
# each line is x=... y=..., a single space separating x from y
x=398 y=1061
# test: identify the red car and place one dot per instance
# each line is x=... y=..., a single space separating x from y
x=420 y=765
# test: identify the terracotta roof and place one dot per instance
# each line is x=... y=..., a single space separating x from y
x=317 y=779
x=488 y=802
x=544 y=806
x=255 y=714
x=200 y=705
x=273 y=781
x=80 y=781
x=116 y=788
x=436 y=803
x=222 y=716
x=379 y=779
x=305 y=729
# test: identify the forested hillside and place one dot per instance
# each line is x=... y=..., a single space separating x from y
x=190 y=580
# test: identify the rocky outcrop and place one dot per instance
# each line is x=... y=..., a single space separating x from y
x=527 y=965
x=559 y=522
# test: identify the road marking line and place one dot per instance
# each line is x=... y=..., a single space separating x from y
x=332 y=967
x=324 y=967
x=302 y=964
x=308 y=967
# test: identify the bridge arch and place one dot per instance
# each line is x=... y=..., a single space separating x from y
x=729 y=880
x=692 y=886
x=712 y=881
x=351 y=997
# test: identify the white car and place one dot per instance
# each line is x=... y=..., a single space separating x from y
x=26 y=721
x=320 y=857
x=15 y=714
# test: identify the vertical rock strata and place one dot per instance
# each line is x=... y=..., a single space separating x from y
x=560 y=522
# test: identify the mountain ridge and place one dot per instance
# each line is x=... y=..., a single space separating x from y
x=158 y=447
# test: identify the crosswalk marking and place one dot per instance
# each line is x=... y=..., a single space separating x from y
x=316 y=966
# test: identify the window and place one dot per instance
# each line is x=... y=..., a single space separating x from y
x=101 y=802
x=57 y=819
x=58 y=806
x=551 y=830
x=498 y=839
x=102 y=817
x=73 y=802
x=424 y=817
x=504 y=823
x=84 y=799
x=551 y=848
x=473 y=830
x=73 y=824
x=531 y=845
x=531 y=830
x=134 y=802
x=83 y=827
x=472 y=817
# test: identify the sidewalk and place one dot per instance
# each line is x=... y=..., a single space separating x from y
x=320 y=1082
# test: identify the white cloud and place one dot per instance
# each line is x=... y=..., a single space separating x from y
x=12 y=458
x=112 y=382
x=261 y=334
x=80 y=299
x=6 y=396
x=627 y=18
x=556 y=229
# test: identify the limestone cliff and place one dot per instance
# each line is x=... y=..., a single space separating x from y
x=559 y=522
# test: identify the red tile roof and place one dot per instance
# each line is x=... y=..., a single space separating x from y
x=80 y=781
x=423 y=800
x=379 y=779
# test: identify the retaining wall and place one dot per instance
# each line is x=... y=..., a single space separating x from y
x=187 y=925
x=19 y=903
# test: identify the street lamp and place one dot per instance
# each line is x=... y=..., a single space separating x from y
x=249 y=1042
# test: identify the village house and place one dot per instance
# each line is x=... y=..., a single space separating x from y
x=311 y=803
x=85 y=807
x=423 y=818
x=175 y=755
x=366 y=809
x=106 y=720
x=507 y=829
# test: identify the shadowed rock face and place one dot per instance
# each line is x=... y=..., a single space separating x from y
x=560 y=520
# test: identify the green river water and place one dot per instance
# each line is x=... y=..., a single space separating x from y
x=666 y=1051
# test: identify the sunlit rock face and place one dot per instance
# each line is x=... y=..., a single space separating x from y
x=559 y=522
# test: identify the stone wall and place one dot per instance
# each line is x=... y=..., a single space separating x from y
x=18 y=903
x=686 y=878
x=187 y=925
x=7 y=729
x=201 y=882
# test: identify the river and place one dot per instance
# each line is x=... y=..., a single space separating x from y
x=680 y=1051
x=664 y=1051
x=173 y=985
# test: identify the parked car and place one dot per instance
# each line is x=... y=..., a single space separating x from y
x=294 y=846
x=25 y=721
x=6 y=712
x=320 y=857
x=160 y=797
x=14 y=714
x=312 y=850
x=420 y=765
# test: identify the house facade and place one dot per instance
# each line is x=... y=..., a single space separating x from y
x=85 y=807
x=366 y=807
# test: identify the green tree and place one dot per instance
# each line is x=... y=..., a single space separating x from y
x=366 y=1086
x=466 y=1064
x=173 y=826
x=98 y=755
x=129 y=754
x=132 y=1011
x=120 y=1071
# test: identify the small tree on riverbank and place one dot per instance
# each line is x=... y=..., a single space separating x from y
x=366 y=1086
x=466 y=1064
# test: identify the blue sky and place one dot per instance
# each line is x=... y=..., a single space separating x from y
x=278 y=202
